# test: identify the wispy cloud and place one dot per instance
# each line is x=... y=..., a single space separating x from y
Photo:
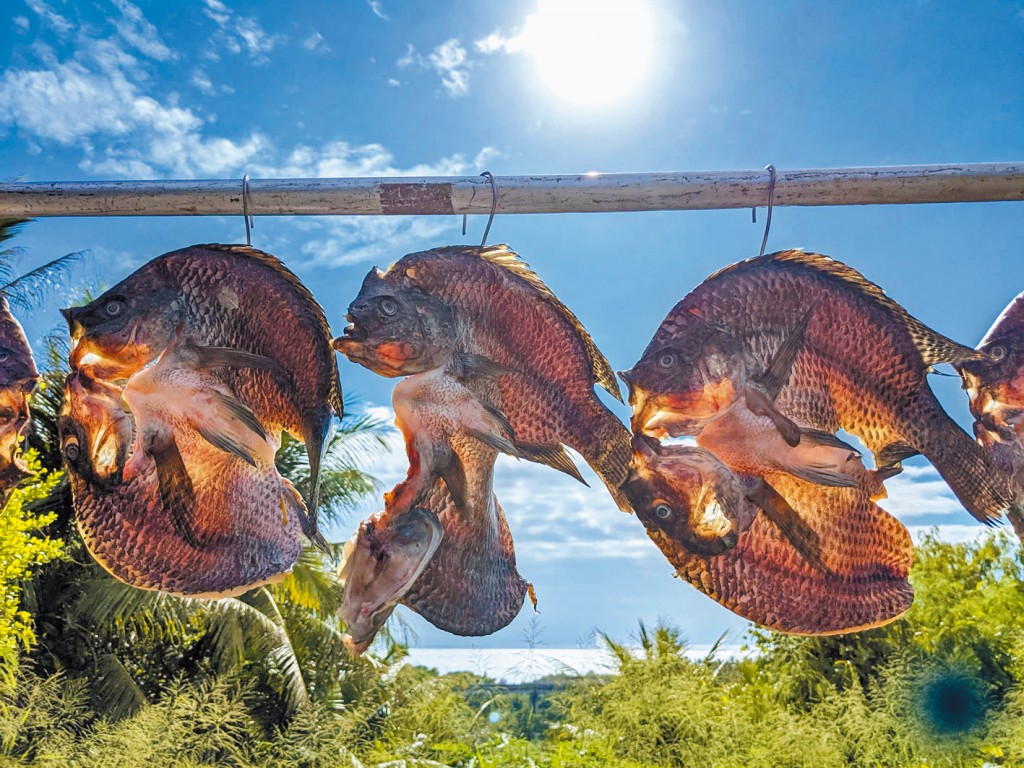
x=378 y=9
x=202 y=82
x=21 y=23
x=140 y=33
x=449 y=61
x=50 y=16
x=238 y=33
x=316 y=42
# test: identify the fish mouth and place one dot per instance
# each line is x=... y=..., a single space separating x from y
x=661 y=423
x=355 y=331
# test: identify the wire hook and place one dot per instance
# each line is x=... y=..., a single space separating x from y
x=771 y=204
x=494 y=204
x=246 y=216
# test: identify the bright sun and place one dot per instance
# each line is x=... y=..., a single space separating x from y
x=590 y=52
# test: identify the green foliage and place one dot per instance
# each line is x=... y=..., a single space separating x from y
x=22 y=549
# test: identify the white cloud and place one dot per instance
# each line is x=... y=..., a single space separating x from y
x=47 y=14
x=240 y=32
x=202 y=82
x=449 y=60
x=315 y=42
x=140 y=33
x=919 y=491
x=495 y=42
x=393 y=83
x=952 y=534
x=21 y=22
x=378 y=9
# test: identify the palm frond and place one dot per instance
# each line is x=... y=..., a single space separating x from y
x=28 y=291
x=295 y=692
x=116 y=690
x=312 y=584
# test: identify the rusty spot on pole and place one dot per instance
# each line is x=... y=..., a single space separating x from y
x=416 y=198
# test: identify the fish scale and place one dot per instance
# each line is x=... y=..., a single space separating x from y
x=241 y=510
x=765 y=579
x=268 y=312
x=471 y=585
x=863 y=365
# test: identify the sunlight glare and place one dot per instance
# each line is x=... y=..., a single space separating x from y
x=590 y=51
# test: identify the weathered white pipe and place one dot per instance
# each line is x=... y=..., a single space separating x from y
x=592 y=192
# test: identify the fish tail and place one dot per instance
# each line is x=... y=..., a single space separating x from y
x=961 y=462
x=606 y=447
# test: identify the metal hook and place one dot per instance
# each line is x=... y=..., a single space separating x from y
x=249 y=223
x=494 y=204
x=771 y=203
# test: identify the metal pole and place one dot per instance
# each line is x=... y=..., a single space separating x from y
x=592 y=192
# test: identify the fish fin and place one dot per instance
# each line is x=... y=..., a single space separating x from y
x=466 y=365
x=554 y=456
x=229 y=357
x=497 y=442
x=236 y=409
x=827 y=439
x=781 y=368
x=454 y=476
x=789 y=522
x=317 y=442
x=226 y=443
x=176 y=490
x=601 y=370
x=889 y=459
x=822 y=474
x=760 y=405
x=500 y=419
x=933 y=346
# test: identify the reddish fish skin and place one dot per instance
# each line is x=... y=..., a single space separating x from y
x=862 y=368
x=865 y=554
x=253 y=535
x=995 y=386
x=471 y=586
x=18 y=377
x=502 y=312
x=230 y=296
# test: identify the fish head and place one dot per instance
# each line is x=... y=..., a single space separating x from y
x=18 y=378
x=683 y=381
x=95 y=431
x=381 y=563
x=686 y=495
x=995 y=386
x=123 y=330
x=395 y=328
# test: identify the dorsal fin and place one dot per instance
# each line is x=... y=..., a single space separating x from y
x=933 y=346
x=504 y=257
x=272 y=262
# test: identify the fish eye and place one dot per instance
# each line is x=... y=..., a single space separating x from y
x=5 y=355
x=114 y=307
x=667 y=359
x=997 y=353
x=663 y=510
x=72 y=451
x=388 y=306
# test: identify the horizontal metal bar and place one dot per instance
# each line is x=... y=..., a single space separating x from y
x=591 y=192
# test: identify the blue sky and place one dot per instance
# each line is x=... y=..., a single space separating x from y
x=216 y=89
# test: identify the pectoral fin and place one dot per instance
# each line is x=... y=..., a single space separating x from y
x=554 y=456
x=229 y=357
x=219 y=428
x=889 y=460
x=789 y=522
x=176 y=490
x=760 y=405
x=781 y=367
x=466 y=365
